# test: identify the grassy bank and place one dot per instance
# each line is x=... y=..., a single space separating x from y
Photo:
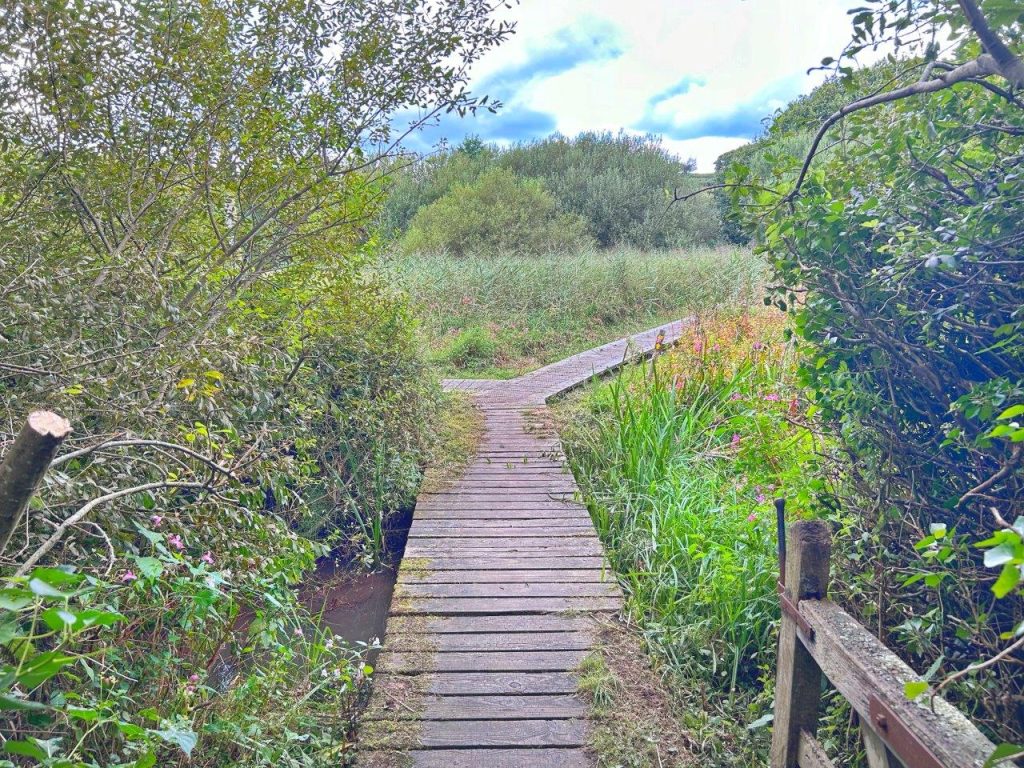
x=502 y=316
x=679 y=462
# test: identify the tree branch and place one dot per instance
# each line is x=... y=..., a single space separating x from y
x=78 y=516
x=983 y=66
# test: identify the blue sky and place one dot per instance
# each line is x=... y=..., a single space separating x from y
x=701 y=74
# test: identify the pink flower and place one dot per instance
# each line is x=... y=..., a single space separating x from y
x=207 y=558
x=735 y=440
x=156 y=520
x=698 y=346
x=716 y=348
x=193 y=678
x=758 y=346
x=772 y=397
x=175 y=541
x=127 y=577
x=761 y=498
x=298 y=632
x=736 y=396
x=751 y=517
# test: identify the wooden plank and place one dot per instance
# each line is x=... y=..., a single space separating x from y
x=810 y=753
x=552 y=511
x=797 y=677
x=491 y=589
x=501 y=707
x=454 y=562
x=583 y=544
x=487 y=624
x=431 y=525
x=454 y=606
x=503 y=733
x=493 y=641
x=500 y=758
x=573 y=576
x=858 y=665
x=467 y=532
x=398 y=662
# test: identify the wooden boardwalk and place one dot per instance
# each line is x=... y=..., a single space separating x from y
x=489 y=620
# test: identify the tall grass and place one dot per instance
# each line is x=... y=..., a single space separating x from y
x=679 y=461
x=502 y=315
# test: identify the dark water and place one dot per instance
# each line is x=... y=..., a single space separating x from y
x=351 y=602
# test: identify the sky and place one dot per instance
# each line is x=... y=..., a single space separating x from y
x=699 y=74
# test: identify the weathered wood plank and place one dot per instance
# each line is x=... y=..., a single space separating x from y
x=470 y=532
x=500 y=758
x=399 y=662
x=491 y=589
x=540 y=623
x=860 y=666
x=573 y=576
x=502 y=733
x=493 y=641
x=501 y=707
x=454 y=606
x=455 y=562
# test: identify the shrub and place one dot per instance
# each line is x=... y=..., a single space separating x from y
x=497 y=213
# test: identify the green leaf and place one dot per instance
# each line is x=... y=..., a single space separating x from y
x=15 y=599
x=1007 y=580
x=997 y=556
x=184 y=738
x=1002 y=752
x=25 y=749
x=914 y=688
x=42 y=667
x=1009 y=413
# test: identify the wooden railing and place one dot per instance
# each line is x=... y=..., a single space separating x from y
x=818 y=638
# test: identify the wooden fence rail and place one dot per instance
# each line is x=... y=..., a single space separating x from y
x=819 y=638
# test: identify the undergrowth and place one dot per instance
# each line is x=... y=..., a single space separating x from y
x=679 y=461
x=500 y=316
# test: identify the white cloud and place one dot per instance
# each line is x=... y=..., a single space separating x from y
x=744 y=58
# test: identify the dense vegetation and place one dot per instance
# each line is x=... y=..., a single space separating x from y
x=896 y=251
x=501 y=316
x=551 y=195
x=680 y=461
x=185 y=275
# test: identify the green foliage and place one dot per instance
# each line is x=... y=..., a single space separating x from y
x=489 y=316
x=186 y=277
x=497 y=213
x=904 y=245
x=679 y=462
x=619 y=186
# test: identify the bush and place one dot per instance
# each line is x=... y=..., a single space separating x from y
x=620 y=186
x=498 y=213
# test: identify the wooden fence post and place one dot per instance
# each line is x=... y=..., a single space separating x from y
x=798 y=677
x=24 y=466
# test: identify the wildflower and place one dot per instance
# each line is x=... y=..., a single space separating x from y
x=175 y=541
x=698 y=346
x=193 y=678
x=771 y=397
x=207 y=558
x=298 y=632
x=156 y=520
x=128 y=576
x=758 y=346
x=735 y=439
x=761 y=498
x=736 y=396
x=751 y=517
x=716 y=347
